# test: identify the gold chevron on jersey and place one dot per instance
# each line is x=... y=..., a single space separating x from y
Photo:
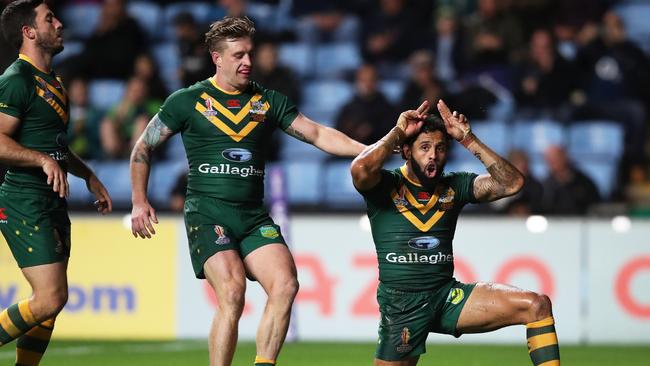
x=234 y=118
x=236 y=136
x=423 y=226
x=53 y=88
x=43 y=91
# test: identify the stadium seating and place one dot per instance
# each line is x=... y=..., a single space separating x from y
x=393 y=90
x=168 y=59
x=80 y=20
x=72 y=48
x=303 y=182
x=297 y=56
x=149 y=17
x=79 y=194
x=203 y=13
x=292 y=149
x=175 y=151
x=493 y=133
x=162 y=180
x=602 y=173
x=635 y=15
x=339 y=189
x=535 y=136
x=326 y=96
x=115 y=175
x=334 y=60
x=596 y=139
x=105 y=93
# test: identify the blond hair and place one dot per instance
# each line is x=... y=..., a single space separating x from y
x=228 y=28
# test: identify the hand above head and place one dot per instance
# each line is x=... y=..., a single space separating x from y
x=456 y=124
x=410 y=121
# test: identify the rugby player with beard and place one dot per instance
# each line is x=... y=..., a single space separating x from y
x=413 y=212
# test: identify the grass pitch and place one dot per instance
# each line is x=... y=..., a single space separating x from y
x=124 y=353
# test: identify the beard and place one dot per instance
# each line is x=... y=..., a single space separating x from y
x=50 y=45
x=428 y=183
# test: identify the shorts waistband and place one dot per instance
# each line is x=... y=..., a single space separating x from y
x=394 y=291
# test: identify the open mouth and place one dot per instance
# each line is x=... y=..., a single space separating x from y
x=430 y=170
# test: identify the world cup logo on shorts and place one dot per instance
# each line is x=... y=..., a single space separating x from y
x=405 y=346
x=221 y=235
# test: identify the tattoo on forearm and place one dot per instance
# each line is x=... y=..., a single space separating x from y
x=297 y=134
x=141 y=157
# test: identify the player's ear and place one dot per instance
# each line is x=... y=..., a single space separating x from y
x=29 y=32
x=406 y=152
x=216 y=58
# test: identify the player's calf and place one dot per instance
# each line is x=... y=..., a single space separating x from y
x=543 y=346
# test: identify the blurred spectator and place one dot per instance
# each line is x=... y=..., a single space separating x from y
x=111 y=50
x=234 y=8
x=529 y=200
x=177 y=195
x=324 y=21
x=546 y=80
x=616 y=81
x=83 y=127
x=447 y=45
x=145 y=68
x=391 y=33
x=567 y=191
x=196 y=63
x=422 y=82
x=368 y=116
x=124 y=123
x=494 y=36
x=271 y=75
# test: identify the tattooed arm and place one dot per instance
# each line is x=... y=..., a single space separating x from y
x=143 y=214
x=325 y=138
x=366 y=168
x=503 y=179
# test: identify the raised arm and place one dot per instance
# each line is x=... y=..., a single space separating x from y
x=366 y=168
x=14 y=154
x=142 y=214
x=325 y=138
x=503 y=179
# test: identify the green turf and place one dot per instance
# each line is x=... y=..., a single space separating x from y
x=122 y=353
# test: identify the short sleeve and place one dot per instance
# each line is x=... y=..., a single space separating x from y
x=381 y=193
x=14 y=95
x=463 y=185
x=283 y=111
x=173 y=113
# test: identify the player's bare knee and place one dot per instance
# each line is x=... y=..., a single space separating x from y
x=48 y=305
x=540 y=307
x=232 y=299
x=286 y=290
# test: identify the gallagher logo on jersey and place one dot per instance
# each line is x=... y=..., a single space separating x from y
x=209 y=111
x=237 y=155
x=424 y=242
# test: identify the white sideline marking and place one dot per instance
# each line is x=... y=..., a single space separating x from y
x=139 y=348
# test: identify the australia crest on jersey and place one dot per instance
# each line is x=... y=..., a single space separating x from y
x=209 y=109
x=221 y=235
x=47 y=94
x=446 y=200
x=258 y=111
x=399 y=199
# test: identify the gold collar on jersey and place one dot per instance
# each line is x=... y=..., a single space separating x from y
x=402 y=197
x=47 y=91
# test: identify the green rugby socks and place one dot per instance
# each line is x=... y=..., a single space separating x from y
x=31 y=345
x=15 y=321
x=542 y=343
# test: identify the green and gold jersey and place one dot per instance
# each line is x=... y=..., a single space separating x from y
x=413 y=229
x=226 y=136
x=39 y=100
